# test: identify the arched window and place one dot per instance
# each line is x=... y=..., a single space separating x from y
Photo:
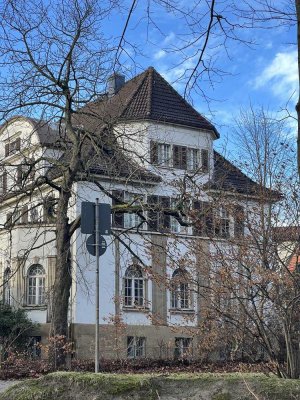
x=180 y=290
x=36 y=285
x=6 y=286
x=134 y=287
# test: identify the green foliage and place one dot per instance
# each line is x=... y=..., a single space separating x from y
x=90 y=386
x=222 y=396
x=14 y=328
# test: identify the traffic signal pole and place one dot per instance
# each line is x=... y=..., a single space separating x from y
x=96 y=221
x=97 y=243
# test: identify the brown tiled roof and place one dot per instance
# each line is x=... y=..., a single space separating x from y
x=228 y=177
x=148 y=96
x=286 y=233
x=47 y=133
x=108 y=160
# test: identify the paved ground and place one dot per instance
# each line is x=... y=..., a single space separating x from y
x=6 y=384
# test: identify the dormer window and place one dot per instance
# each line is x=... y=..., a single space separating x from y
x=12 y=147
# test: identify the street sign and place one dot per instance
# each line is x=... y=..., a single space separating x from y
x=91 y=245
x=88 y=218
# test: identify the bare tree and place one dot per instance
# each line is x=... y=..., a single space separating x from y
x=251 y=285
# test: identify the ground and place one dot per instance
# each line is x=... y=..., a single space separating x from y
x=181 y=386
x=6 y=384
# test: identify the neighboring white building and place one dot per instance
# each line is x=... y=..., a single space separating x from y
x=150 y=304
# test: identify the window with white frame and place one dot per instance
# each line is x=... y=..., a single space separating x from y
x=222 y=223
x=183 y=347
x=134 y=287
x=131 y=220
x=180 y=290
x=160 y=154
x=193 y=159
x=136 y=346
x=36 y=285
x=164 y=154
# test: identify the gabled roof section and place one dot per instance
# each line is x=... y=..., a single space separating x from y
x=149 y=96
x=155 y=99
x=227 y=177
x=47 y=134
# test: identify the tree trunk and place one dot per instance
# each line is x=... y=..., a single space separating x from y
x=62 y=284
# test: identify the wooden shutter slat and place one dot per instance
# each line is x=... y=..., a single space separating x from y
x=7 y=149
x=153 y=152
x=204 y=160
x=18 y=144
x=117 y=217
x=4 y=182
x=24 y=216
x=197 y=229
x=19 y=174
x=164 y=218
x=153 y=215
x=183 y=158
x=176 y=156
x=239 y=221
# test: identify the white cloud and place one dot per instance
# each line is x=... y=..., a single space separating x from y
x=169 y=38
x=281 y=75
x=159 y=54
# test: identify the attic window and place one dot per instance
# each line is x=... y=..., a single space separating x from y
x=179 y=157
x=160 y=154
x=12 y=147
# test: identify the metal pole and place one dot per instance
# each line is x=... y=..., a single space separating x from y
x=97 y=230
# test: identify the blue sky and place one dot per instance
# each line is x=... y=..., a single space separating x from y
x=263 y=72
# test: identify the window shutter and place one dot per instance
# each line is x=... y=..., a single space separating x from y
x=197 y=228
x=153 y=215
x=204 y=160
x=7 y=150
x=4 y=182
x=164 y=218
x=9 y=219
x=24 y=214
x=239 y=221
x=18 y=144
x=208 y=220
x=179 y=157
x=19 y=175
x=117 y=217
x=183 y=158
x=153 y=152
x=176 y=156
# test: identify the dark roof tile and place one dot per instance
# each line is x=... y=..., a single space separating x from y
x=227 y=177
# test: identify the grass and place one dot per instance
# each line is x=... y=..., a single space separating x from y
x=69 y=385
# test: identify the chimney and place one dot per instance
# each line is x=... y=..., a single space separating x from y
x=115 y=83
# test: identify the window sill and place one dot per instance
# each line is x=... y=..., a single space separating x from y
x=39 y=307
x=136 y=309
x=185 y=311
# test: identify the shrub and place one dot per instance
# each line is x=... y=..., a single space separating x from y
x=14 y=329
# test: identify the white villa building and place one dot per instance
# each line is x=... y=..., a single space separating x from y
x=151 y=275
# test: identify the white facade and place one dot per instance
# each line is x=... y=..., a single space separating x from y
x=31 y=240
